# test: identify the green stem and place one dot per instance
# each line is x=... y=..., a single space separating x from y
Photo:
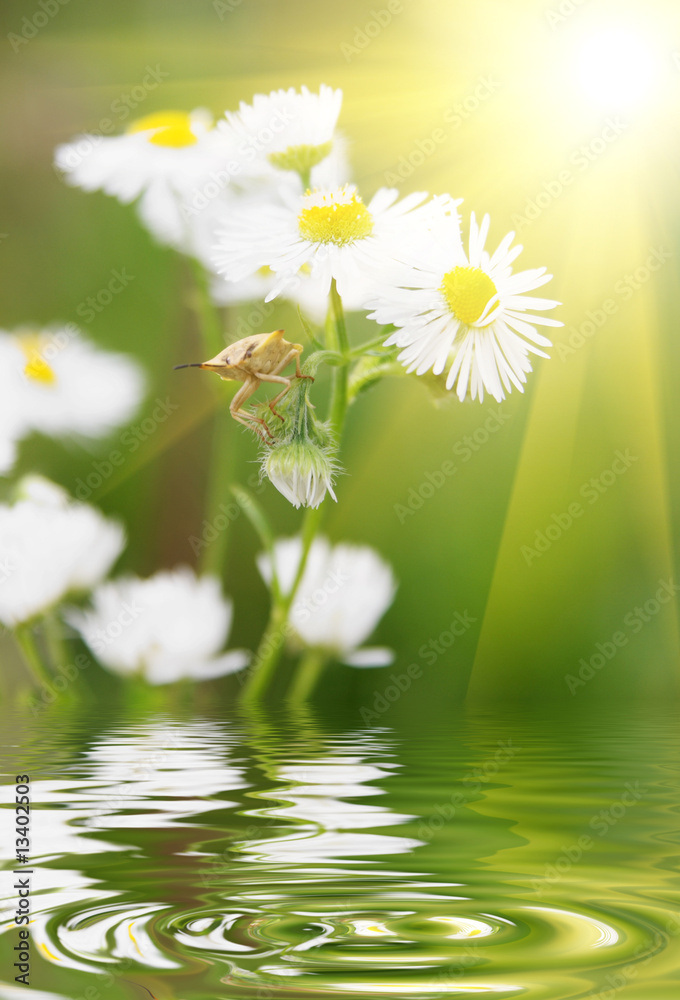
x=209 y=320
x=220 y=475
x=341 y=373
x=306 y=676
x=56 y=646
x=222 y=447
x=274 y=639
x=267 y=655
x=31 y=654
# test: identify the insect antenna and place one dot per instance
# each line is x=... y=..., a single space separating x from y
x=195 y=364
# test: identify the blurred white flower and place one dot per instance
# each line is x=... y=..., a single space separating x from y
x=326 y=233
x=9 y=434
x=55 y=382
x=164 y=159
x=344 y=592
x=50 y=547
x=167 y=627
x=284 y=130
x=302 y=471
x=466 y=313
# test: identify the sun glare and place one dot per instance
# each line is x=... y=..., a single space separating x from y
x=616 y=68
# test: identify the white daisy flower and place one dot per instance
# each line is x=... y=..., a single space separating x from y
x=330 y=234
x=467 y=313
x=50 y=547
x=163 y=160
x=55 y=382
x=302 y=290
x=284 y=130
x=344 y=592
x=166 y=628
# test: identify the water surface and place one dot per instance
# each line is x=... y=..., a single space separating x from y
x=297 y=855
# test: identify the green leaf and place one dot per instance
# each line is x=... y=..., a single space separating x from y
x=316 y=344
x=257 y=517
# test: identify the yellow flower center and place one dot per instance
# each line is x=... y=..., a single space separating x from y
x=36 y=366
x=468 y=291
x=338 y=217
x=300 y=158
x=172 y=128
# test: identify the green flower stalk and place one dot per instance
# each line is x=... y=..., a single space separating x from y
x=302 y=462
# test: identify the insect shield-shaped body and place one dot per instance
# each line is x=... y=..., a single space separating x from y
x=254 y=360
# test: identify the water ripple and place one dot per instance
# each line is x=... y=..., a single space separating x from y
x=204 y=851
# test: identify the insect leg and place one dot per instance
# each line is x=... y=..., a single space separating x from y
x=298 y=370
x=245 y=418
x=282 y=380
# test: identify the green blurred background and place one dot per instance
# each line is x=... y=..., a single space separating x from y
x=501 y=81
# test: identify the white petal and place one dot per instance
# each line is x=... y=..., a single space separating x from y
x=370 y=656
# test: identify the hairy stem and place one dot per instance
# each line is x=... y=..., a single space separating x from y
x=273 y=641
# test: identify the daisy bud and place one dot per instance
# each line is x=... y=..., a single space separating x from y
x=302 y=471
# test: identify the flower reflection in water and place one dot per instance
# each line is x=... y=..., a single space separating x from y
x=248 y=858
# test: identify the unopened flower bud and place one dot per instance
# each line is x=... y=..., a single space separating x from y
x=302 y=471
